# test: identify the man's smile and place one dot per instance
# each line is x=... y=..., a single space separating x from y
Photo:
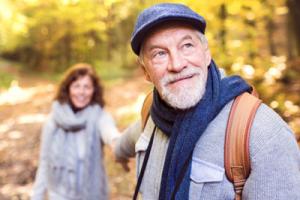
x=181 y=79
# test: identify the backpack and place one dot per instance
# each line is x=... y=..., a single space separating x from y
x=236 y=147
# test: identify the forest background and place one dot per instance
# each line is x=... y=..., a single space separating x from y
x=39 y=40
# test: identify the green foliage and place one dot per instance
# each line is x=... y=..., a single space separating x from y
x=6 y=79
x=54 y=34
x=8 y=73
x=111 y=70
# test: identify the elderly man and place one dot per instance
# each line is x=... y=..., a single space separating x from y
x=180 y=152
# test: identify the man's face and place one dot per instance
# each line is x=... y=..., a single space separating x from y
x=176 y=62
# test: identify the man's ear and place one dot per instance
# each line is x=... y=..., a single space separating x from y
x=146 y=74
x=207 y=56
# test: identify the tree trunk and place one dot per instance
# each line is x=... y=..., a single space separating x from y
x=270 y=34
x=294 y=28
x=223 y=31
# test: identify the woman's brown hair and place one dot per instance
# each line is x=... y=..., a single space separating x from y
x=71 y=75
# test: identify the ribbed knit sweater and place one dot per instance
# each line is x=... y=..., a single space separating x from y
x=274 y=155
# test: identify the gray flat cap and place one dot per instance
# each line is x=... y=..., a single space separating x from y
x=163 y=12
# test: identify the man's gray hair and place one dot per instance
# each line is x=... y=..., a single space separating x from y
x=201 y=37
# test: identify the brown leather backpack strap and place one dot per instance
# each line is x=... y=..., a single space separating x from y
x=237 y=158
x=146 y=109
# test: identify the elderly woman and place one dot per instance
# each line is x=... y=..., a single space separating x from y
x=71 y=165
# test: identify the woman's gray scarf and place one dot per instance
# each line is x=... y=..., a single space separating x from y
x=75 y=166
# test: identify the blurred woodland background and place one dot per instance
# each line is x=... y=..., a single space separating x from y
x=258 y=39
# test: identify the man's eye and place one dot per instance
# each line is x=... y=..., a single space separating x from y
x=188 y=45
x=159 y=53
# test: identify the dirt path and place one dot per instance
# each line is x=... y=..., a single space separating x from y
x=23 y=109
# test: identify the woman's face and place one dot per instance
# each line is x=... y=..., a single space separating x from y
x=81 y=92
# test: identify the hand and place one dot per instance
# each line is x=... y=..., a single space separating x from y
x=124 y=164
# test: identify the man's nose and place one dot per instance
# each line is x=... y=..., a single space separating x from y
x=178 y=62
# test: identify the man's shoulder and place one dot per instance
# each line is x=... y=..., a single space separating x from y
x=267 y=128
x=268 y=118
x=268 y=124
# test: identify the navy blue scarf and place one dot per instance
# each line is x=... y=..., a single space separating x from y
x=185 y=127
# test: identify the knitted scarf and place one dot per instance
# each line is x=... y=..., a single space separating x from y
x=185 y=127
x=75 y=169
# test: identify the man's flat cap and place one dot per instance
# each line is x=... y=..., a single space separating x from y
x=163 y=12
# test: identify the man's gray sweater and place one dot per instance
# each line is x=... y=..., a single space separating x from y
x=274 y=155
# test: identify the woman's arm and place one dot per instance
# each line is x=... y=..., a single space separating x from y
x=108 y=129
x=123 y=145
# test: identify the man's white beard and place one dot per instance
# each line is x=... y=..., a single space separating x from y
x=186 y=96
